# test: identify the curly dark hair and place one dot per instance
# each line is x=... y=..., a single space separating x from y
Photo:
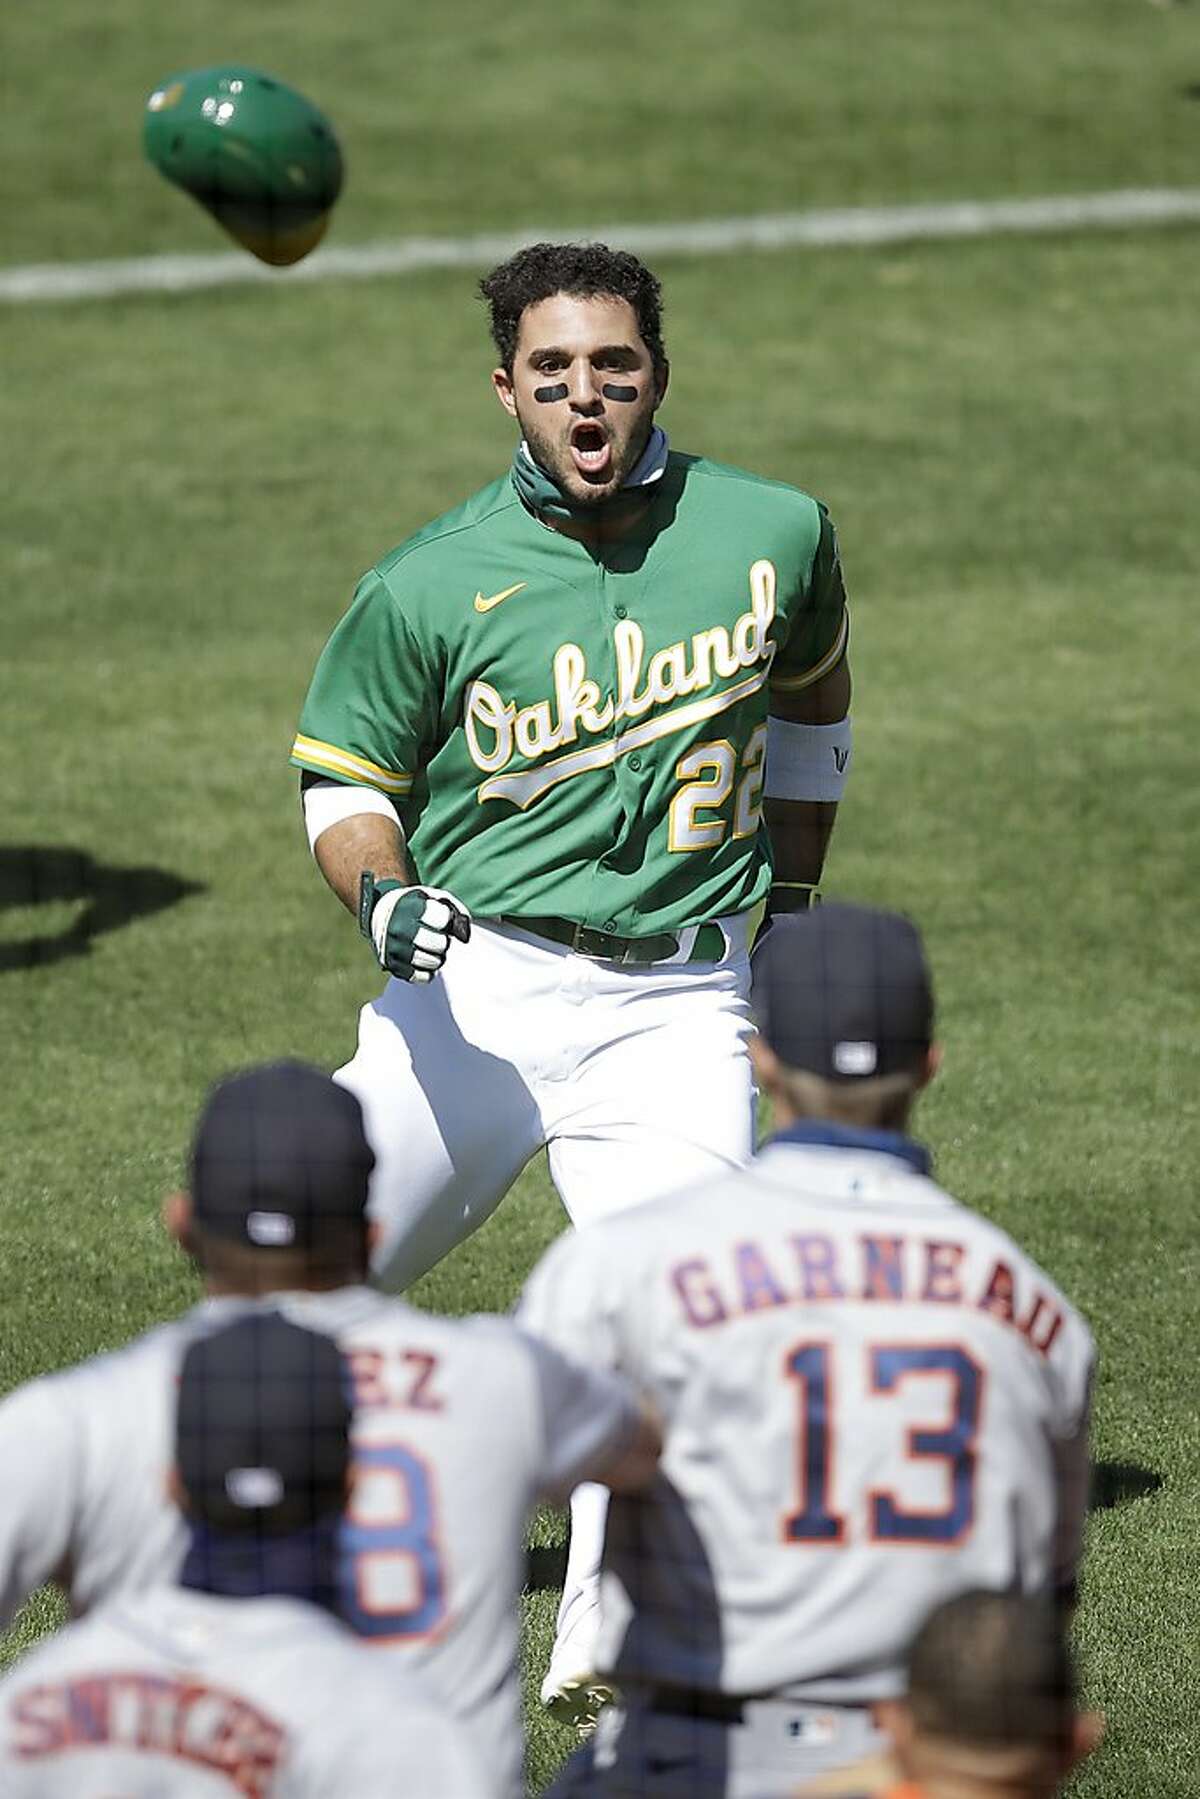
x=582 y=270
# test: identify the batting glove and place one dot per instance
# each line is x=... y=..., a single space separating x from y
x=410 y=927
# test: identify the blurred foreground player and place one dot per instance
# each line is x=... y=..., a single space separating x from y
x=991 y=1709
x=238 y=1680
x=872 y=1398
x=460 y=1425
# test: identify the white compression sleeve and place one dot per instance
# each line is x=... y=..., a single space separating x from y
x=328 y=802
x=806 y=762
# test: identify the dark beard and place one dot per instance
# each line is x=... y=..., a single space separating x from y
x=582 y=493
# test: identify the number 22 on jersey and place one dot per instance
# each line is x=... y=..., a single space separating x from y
x=947 y=1441
x=707 y=773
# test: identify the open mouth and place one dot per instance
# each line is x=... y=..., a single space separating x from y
x=591 y=450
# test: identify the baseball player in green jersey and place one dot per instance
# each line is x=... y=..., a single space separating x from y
x=565 y=746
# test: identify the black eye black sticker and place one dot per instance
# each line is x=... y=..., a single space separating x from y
x=611 y=391
x=547 y=395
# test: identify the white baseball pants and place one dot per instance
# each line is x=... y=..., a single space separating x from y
x=637 y=1080
x=779 y=1746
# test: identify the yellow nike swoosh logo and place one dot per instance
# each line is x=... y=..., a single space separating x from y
x=482 y=605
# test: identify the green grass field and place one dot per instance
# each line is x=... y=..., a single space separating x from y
x=487 y=117
x=1004 y=432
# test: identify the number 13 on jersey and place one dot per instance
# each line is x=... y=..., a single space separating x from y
x=945 y=1442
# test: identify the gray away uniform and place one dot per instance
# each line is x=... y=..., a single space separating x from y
x=461 y=1426
x=872 y=1400
x=169 y=1694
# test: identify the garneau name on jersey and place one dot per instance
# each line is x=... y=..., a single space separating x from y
x=923 y=1270
x=157 y=1713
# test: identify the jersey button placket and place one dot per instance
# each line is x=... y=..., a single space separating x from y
x=618 y=611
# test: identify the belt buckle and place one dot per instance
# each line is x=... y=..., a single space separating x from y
x=600 y=946
x=582 y=941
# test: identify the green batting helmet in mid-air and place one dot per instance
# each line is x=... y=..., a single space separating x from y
x=255 y=153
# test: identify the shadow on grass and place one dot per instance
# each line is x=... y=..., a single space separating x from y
x=545 y=1569
x=1117 y=1483
x=32 y=875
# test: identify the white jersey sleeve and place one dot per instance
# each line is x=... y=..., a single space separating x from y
x=40 y=1499
x=87 y=1453
x=1073 y=1477
x=588 y=1418
x=566 y=1302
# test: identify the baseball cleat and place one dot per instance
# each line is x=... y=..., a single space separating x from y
x=576 y=1702
x=572 y=1692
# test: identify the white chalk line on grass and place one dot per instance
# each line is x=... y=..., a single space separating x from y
x=848 y=226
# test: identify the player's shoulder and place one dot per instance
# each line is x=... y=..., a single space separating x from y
x=452 y=534
x=504 y=1369
x=480 y=1348
x=81 y=1642
x=79 y=1385
x=289 y=1646
x=495 y=1344
x=723 y=483
x=349 y=1313
x=261 y=1638
x=868 y=1177
x=911 y=1201
x=985 y=1238
x=627 y=1241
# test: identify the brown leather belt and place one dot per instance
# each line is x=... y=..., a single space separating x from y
x=606 y=946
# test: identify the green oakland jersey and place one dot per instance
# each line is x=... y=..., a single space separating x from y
x=578 y=732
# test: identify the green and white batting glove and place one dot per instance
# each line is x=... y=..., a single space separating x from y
x=410 y=927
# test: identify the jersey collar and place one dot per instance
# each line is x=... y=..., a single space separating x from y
x=302 y=1564
x=847 y=1136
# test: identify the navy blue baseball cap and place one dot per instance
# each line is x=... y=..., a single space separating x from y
x=844 y=992
x=262 y=1436
x=279 y=1150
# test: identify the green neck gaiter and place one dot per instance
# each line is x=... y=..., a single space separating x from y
x=546 y=499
